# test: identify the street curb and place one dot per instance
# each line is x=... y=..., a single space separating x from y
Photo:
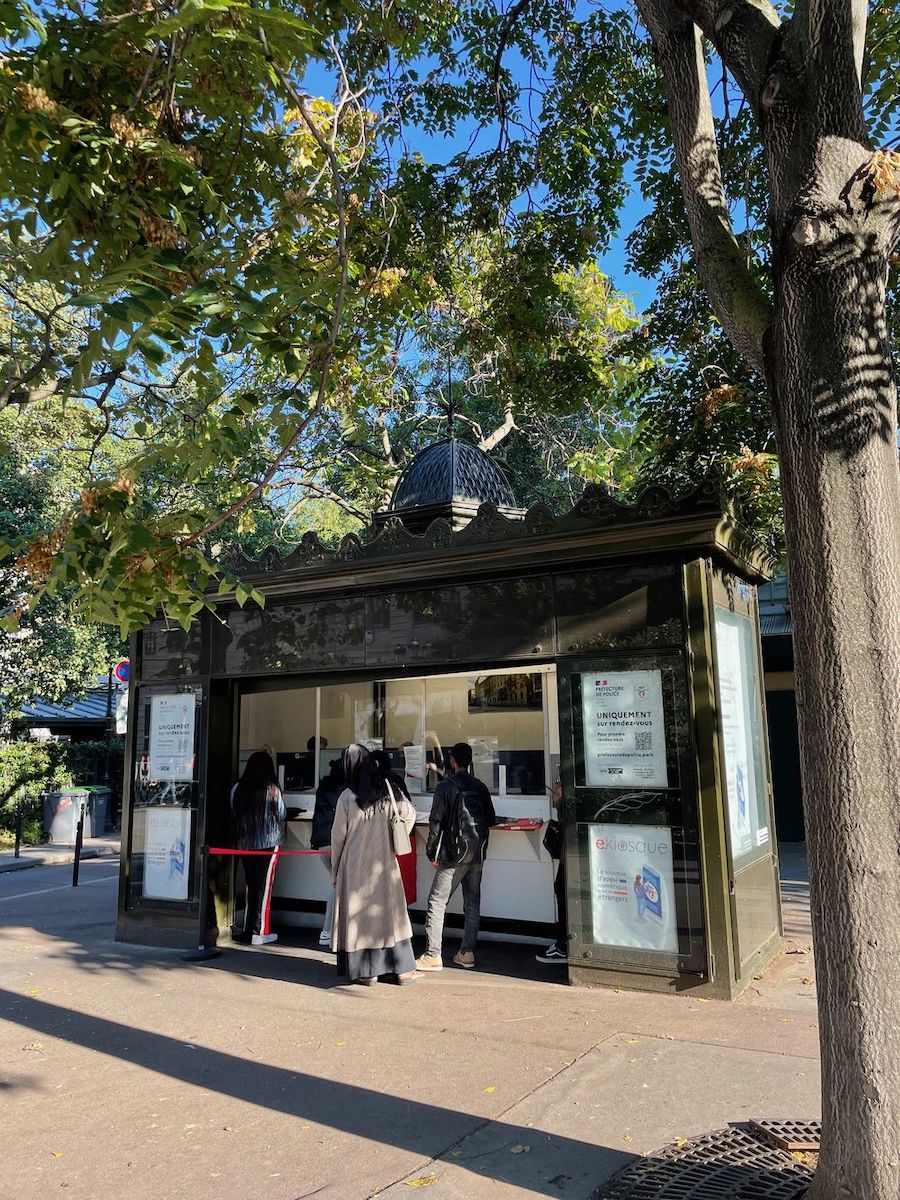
x=57 y=860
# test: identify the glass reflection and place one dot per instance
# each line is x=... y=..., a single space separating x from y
x=511 y=618
x=291 y=637
x=619 y=608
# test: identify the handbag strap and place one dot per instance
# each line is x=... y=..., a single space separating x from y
x=395 y=811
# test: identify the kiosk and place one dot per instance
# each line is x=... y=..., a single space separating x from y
x=614 y=647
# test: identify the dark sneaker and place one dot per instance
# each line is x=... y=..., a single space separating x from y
x=553 y=954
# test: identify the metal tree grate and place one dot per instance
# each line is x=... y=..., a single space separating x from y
x=790 y=1135
x=730 y=1164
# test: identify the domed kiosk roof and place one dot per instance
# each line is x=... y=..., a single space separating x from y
x=450 y=479
x=452 y=470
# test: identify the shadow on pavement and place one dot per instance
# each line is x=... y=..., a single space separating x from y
x=428 y=1130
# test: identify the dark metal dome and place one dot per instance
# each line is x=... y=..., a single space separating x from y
x=451 y=471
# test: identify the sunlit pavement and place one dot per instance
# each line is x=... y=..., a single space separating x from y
x=126 y=1072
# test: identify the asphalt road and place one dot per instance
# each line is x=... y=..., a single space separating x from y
x=47 y=892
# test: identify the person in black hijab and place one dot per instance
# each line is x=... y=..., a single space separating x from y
x=385 y=770
x=371 y=933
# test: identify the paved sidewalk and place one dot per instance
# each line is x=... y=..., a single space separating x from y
x=56 y=854
x=127 y=1071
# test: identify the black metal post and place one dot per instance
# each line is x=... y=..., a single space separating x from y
x=79 y=838
x=203 y=952
x=19 y=808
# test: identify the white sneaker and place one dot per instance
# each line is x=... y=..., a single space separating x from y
x=325 y=937
x=263 y=939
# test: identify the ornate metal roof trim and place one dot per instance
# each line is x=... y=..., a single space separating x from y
x=597 y=509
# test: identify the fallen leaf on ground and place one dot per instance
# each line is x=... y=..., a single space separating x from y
x=227 y=1128
x=807 y=980
x=627 y=1138
x=489 y=1088
x=56 y=1153
x=518 y=1149
x=340 y=1043
x=679 y=1142
x=700 y=1000
x=632 y=1041
x=34 y=1046
x=422 y=1181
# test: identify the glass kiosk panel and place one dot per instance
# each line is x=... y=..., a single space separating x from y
x=512 y=618
x=502 y=717
x=170 y=652
x=741 y=728
x=631 y=826
x=289 y=637
x=284 y=723
x=164 y=816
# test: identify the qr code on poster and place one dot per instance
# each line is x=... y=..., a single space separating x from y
x=643 y=741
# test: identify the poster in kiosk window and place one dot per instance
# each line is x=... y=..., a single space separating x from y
x=172 y=738
x=168 y=840
x=624 y=729
x=632 y=887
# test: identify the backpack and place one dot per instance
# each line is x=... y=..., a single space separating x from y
x=466 y=831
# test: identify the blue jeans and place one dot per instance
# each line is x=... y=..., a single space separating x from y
x=446 y=881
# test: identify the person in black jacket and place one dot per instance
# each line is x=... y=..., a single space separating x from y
x=330 y=787
x=558 y=950
x=462 y=814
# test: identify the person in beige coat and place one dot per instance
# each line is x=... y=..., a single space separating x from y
x=371 y=933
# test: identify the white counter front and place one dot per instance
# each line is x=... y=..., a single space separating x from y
x=517 y=884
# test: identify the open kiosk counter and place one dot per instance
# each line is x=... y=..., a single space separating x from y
x=505 y=717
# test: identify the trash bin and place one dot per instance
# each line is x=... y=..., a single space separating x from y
x=61 y=812
x=99 y=810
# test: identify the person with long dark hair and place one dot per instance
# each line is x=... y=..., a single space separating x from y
x=371 y=933
x=258 y=809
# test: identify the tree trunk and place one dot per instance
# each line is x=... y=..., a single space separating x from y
x=829 y=371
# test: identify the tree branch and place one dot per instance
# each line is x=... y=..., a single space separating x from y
x=745 y=33
x=325 y=493
x=268 y=476
x=494 y=439
x=736 y=298
x=506 y=27
x=831 y=42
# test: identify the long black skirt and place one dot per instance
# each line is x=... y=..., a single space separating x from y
x=367 y=964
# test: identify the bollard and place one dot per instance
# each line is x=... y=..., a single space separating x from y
x=79 y=838
x=19 y=808
x=203 y=952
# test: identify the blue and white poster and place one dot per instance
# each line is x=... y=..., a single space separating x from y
x=166 y=848
x=632 y=887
